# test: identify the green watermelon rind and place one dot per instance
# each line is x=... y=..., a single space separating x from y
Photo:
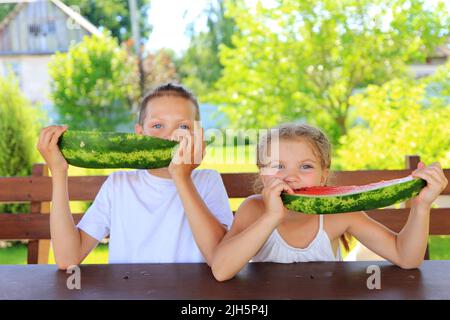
x=111 y=150
x=366 y=200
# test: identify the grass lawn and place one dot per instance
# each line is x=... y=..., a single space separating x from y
x=17 y=254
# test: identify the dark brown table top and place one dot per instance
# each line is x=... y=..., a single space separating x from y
x=257 y=281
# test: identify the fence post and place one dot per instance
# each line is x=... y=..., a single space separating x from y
x=411 y=164
x=38 y=250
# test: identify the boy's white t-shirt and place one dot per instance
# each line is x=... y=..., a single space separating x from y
x=145 y=219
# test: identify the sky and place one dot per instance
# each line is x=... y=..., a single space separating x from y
x=170 y=21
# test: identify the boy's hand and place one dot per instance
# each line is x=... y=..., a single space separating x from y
x=48 y=148
x=189 y=154
x=436 y=182
x=272 y=199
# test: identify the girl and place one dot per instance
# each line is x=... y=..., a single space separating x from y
x=265 y=231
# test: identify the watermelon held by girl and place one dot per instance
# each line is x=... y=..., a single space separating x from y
x=340 y=199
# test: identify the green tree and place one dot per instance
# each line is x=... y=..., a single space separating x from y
x=114 y=15
x=5 y=9
x=200 y=67
x=159 y=68
x=399 y=118
x=303 y=59
x=95 y=85
x=19 y=126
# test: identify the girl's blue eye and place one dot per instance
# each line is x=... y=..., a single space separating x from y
x=184 y=126
x=157 y=126
x=306 y=166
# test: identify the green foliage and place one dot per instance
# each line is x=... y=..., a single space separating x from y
x=5 y=9
x=400 y=118
x=19 y=126
x=95 y=84
x=302 y=59
x=114 y=15
x=200 y=67
x=159 y=68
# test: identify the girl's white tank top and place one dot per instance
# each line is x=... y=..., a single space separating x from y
x=277 y=250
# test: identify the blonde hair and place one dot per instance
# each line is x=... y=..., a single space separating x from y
x=319 y=142
x=316 y=138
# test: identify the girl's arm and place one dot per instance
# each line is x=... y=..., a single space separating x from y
x=407 y=248
x=250 y=230
x=252 y=226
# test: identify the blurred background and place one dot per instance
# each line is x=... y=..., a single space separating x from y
x=374 y=75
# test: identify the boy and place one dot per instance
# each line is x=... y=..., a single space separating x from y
x=174 y=214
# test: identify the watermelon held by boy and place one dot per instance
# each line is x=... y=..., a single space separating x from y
x=107 y=150
x=340 y=199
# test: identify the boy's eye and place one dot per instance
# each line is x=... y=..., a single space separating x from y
x=157 y=126
x=184 y=126
x=277 y=166
x=306 y=166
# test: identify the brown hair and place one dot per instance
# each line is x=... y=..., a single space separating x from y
x=168 y=90
x=315 y=137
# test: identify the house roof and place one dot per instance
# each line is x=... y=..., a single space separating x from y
x=78 y=18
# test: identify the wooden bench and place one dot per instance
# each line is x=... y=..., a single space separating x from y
x=36 y=189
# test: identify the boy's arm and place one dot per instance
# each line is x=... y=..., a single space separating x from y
x=69 y=244
x=207 y=230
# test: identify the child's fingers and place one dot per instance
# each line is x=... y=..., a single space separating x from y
x=421 y=165
x=280 y=186
x=428 y=177
x=271 y=185
x=274 y=182
x=203 y=149
x=41 y=138
x=283 y=187
x=58 y=133
x=438 y=173
x=438 y=169
x=47 y=137
x=197 y=137
x=434 y=170
x=178 y=134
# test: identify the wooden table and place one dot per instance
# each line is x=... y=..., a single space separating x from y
x=315 y=280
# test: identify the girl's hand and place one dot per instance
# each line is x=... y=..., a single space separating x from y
x=272 y=199
x=48 y=148
x=436 y=182
x=189 y=154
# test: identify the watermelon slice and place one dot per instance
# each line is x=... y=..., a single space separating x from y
x=328 y=200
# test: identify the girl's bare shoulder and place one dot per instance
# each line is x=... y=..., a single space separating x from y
x=252 y=206
x=250 y=210
x=254 y=201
